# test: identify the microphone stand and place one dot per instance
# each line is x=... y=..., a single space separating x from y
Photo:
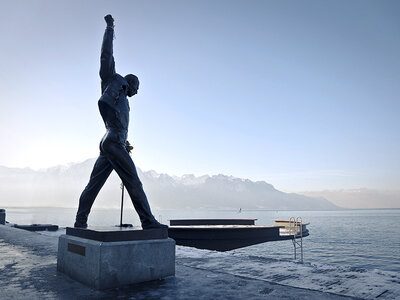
x=121 y=225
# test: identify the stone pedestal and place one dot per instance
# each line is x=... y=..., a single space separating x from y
x=109 y=264
x=2 y=216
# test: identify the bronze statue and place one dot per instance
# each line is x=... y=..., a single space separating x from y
x=114 y=147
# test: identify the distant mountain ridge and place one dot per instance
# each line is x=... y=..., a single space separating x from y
x=359 y=198
x=61 y=186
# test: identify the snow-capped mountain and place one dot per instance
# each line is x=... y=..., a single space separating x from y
x=62 y=185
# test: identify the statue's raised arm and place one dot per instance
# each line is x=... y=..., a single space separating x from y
x=107 y=63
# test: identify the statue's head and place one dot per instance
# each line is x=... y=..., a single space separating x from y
x=133 y=84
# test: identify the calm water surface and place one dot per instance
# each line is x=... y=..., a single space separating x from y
x=360 y=238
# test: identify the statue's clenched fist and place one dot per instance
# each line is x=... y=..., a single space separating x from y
x=109 y=20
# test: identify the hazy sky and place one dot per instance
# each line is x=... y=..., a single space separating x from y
x=301 y=94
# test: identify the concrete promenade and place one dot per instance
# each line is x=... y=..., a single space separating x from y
x=28 y=271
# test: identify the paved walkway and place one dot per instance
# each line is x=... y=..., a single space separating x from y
x=28 y=271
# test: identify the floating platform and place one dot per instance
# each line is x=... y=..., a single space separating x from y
x=181 y=222
x=229 y=234
x=38 y=227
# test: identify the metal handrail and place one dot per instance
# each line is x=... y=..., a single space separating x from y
x=296 y=228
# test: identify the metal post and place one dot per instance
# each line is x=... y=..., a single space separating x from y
x=129 y=149
x=122 y=203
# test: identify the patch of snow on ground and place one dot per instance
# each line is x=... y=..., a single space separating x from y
x=349 y=281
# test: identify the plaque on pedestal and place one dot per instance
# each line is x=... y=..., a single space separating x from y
x=2 y=216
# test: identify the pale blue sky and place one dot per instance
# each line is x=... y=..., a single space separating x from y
x=301 y=94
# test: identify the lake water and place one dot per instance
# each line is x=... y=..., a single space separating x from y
x=367 y=239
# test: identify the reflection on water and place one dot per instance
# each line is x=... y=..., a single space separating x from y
x=360 y=238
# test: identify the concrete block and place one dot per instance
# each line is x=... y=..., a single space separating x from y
x=2 y=216
x=103 y=265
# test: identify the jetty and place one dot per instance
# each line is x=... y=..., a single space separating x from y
x=230 y=234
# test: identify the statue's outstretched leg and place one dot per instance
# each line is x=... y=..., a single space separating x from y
x=122 y=163
x=101 y=170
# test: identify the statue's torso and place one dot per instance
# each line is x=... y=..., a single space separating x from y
x=114 y=105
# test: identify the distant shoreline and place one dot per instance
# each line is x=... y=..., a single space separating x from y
x=208 y=209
